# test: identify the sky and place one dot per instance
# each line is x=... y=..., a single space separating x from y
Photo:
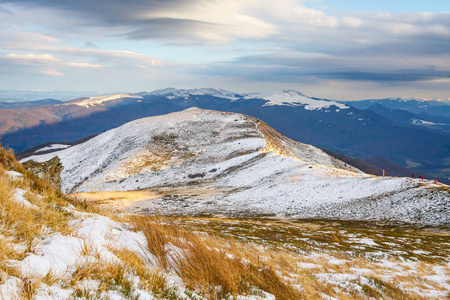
x=344 y=50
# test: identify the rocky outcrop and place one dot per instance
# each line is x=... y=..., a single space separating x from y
x=49 y=170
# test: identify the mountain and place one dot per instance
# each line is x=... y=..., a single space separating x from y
x=15 y=105
x=216 y=163
x=336 y=126
x=433 y=122
x=414 y=105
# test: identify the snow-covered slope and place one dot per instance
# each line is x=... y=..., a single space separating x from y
x=239 y=165
x=291 y=97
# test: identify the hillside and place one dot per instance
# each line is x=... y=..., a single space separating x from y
x=21 y=104
x=198 y=162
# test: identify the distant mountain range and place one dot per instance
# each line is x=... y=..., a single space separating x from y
x=23 y=104
x=412 y=134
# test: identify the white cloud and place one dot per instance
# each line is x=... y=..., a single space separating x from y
x=44 y=59
x=31 y=58
x=43 y=43
x=53 y=72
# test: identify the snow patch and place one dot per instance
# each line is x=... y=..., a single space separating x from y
x=19 y=198
x=14 y=174
x=53 y=147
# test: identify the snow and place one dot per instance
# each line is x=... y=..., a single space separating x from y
x=305 y=265
x=295 y=98
x=11 y=288
x=366 y=241
x=14 y=174
x=92 y=101
x=53 y=147
x=19 y=198
x=253 y=174
x=91 y=241
x=56 y=253
x=61 y=254
x=423 y=122
x=347 y=282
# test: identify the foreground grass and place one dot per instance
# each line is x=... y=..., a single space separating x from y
x=329 y=266
x=208 y=265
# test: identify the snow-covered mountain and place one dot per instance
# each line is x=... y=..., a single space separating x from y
x=296 y=98
x=232 y=164
x=172 y=93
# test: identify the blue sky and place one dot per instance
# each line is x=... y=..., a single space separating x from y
x=331 y=49
x=397 y=6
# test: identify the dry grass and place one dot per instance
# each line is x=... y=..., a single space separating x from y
x=301 y=250
x=149 y=279
x=118 y=275
x=206 y=266
x=111 y=276
x=24 y=223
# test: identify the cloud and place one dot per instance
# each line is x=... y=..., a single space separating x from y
x=44 y=59
x=274 y=42
x=30 y=58
x=177 y=21
x=53 y=72
x=43 y=43
x=295 y=66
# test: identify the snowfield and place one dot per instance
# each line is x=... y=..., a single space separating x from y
x=241 y=167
